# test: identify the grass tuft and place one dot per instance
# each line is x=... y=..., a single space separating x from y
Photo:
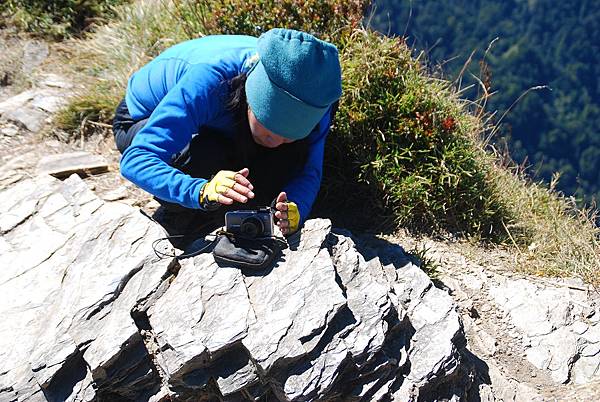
x=408 y=138
x=56 y=19
x=551 y=236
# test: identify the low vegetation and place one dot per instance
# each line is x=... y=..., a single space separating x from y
x=405 y=150
x=56 y=19
x=411 y=141
x=549 y=233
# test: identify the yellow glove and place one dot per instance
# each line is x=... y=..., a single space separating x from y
x=287 y=213
x=218 y=185
x=293 y=216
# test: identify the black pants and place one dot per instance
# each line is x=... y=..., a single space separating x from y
x=125 y=127
x=211 y=151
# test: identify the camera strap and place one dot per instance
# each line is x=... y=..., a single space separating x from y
x=228 y=249
x=197 y=247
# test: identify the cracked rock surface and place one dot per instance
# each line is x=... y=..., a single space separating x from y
x=562 y=337
x=31 y=109
x=99 y=317
x=536 y=338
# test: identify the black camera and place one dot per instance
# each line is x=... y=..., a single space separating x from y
x=250 y=223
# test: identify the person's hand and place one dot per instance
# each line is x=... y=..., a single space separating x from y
x=227 y=187
x=287 y=213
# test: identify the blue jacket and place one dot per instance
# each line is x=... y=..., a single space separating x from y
x=183 y=89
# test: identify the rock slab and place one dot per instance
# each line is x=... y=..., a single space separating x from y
x=65 y=164
x=32 y=108
x=99 y=317
x=560 y=327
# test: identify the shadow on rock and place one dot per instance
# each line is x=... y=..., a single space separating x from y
x=184 y=226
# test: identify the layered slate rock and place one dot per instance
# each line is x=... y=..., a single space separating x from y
x=560 y=326
x=65 y=164
x=73 y=268
x=30 y=109
x=99 y=317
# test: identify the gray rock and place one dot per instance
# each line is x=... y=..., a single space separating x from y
x=15 y=169
x=34 y=53
x=9 y=131
x=579 y=327
x=508 y=389
x=592 y=335
x=82 y=265
x=99 y=317
x=17 y=102
x=435 y=320
x=48 y=102
x=32 y=108
x=64 y=165
x=487 y=343
x=590 y=350
x=116 y=194
x=234 y=372
x=50 y=80
x=212 y=316
x=360 y=329
x=586 y=369
x=295 y=302
x=18 y=384
x=539 y=356
x=550 y=318
x=29 y=117
x=28 y=108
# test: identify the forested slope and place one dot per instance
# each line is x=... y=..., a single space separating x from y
x=541 y=42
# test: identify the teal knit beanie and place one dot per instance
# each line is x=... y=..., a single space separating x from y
x=297 y=79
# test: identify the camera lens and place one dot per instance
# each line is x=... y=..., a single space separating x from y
x=251 y=227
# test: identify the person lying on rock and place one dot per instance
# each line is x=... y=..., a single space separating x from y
x=230 y=120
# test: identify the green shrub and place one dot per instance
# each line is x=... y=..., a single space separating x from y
x=404 y=148
x=57 y=18
x=327 y=19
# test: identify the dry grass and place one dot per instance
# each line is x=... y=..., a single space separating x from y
x=550 y=235
x=103 y=62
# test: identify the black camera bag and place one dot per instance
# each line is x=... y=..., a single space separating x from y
x=246 y=253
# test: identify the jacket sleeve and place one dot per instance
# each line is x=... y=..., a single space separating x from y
x=192 y=102
x=303 y=188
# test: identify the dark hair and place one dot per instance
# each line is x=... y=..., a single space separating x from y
x=237 y=94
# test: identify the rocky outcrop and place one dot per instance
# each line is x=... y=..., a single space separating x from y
x=558 y=325
x=534 y=334
x=73 y=271
x=91 y=313
x=32 y=108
